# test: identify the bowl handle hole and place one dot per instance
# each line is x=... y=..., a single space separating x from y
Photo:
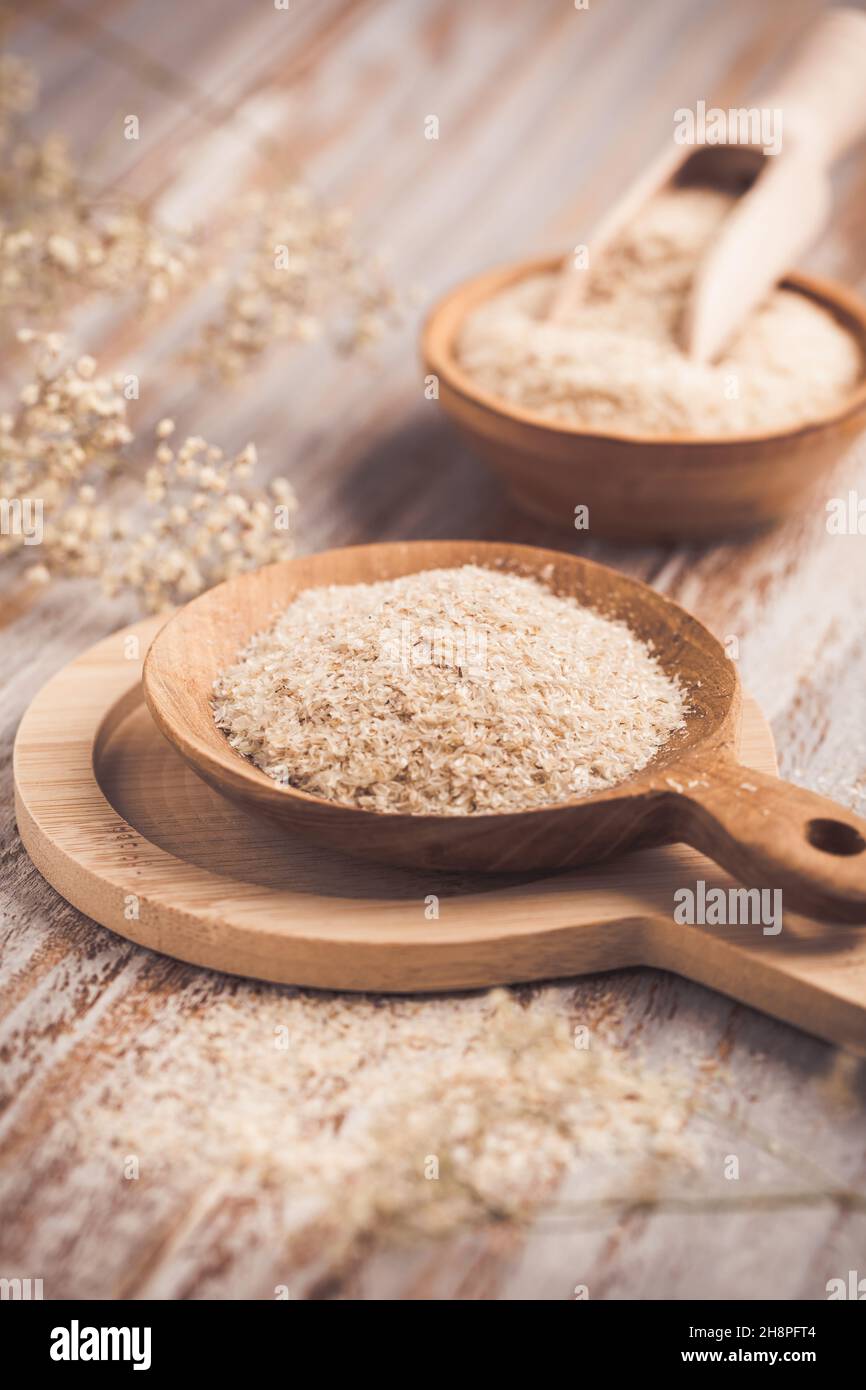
x=835 y=837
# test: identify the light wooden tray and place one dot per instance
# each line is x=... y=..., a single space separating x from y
x=121 y=827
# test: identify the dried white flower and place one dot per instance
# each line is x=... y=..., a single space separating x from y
x=62 y=446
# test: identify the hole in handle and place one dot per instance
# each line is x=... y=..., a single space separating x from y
x=834 y=837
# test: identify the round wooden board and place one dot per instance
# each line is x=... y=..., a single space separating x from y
x=121 y=826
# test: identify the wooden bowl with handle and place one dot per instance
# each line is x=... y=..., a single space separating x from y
x=641 y=488
x=766 y=832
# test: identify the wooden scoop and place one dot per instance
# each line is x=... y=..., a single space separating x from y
x=768 y=833
x=818 y=106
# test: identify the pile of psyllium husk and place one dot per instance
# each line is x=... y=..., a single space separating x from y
x=447 y=692
x=619 y=365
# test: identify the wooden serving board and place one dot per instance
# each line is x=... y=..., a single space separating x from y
x=121 y=826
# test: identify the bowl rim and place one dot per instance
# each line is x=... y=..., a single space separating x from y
x=842 y=302
x=242 y=774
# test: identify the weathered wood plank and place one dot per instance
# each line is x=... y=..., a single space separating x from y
x=545 y=111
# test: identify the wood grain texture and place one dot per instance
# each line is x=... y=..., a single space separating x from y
x=110 y=815
x=820 y=93
x=783 y=201
x=546 y=113
x=766 y=832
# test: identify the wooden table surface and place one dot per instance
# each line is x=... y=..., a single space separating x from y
x=545 y=111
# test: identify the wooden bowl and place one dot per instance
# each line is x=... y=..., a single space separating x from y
x=639 y=487
x=766 y=832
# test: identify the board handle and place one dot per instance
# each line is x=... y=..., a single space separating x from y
x=822 y=89
x=772 y=834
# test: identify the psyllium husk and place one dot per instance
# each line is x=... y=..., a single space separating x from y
x=619 y=366
x=448 y=692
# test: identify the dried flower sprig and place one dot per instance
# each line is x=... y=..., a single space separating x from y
x=298 y=265
x=199 y=522
x=401 y=1120
x=57 y=242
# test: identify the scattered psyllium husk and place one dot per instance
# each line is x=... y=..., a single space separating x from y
x=620 y=365
x=452 y=692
